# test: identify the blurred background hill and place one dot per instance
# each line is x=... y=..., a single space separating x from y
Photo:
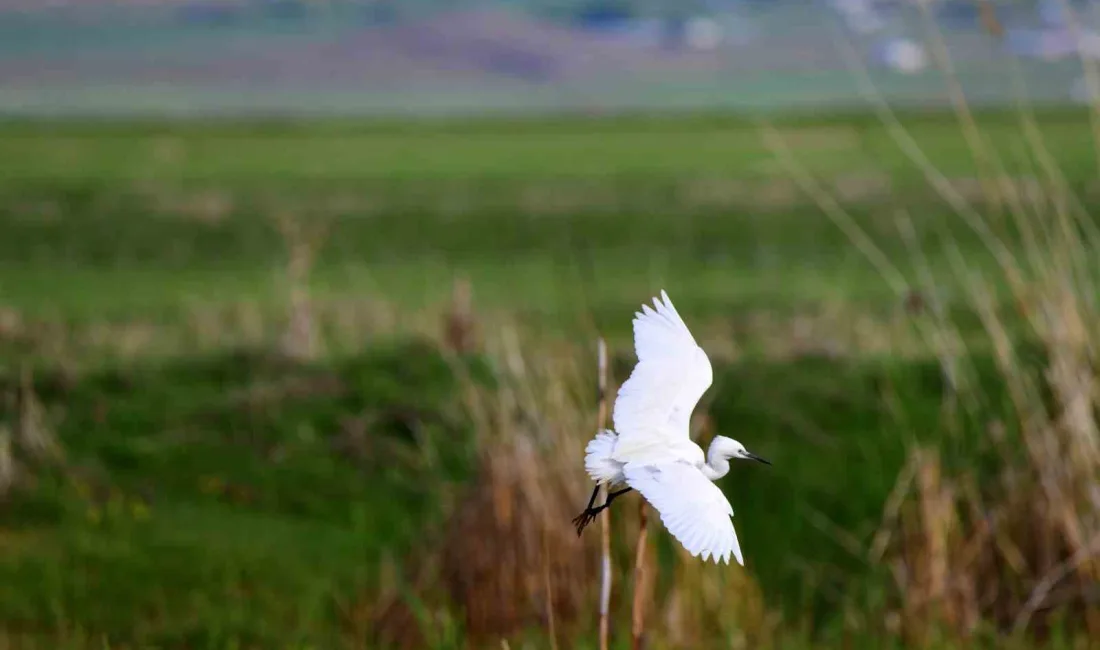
x=424 y=56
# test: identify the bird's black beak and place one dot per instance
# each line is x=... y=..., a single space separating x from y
x=758 y=459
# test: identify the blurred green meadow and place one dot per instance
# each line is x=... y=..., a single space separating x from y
x=254 y=374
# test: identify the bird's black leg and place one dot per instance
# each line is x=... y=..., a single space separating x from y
x=586 y=517
x=592 y=499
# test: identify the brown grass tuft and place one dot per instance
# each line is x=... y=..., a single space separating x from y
x=509 y=556
x=706 y=602
x=1005 y=551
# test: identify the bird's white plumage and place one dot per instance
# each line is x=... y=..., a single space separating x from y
x=692 y=508
x=655 y=403
x=598 y=461
x=651 y=448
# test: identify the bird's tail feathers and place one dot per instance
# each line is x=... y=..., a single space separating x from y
x=598 y=460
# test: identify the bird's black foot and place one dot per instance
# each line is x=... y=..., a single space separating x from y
x=582 y=520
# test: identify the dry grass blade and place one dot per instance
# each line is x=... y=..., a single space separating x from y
x=892 y=510
x=1043 y=590
x=833 y=209
x=939 y=331
x=935 y=178
x=985 y=158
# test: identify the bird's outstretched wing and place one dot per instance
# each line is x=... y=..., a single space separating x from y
x=692 y=508
x=672 y=374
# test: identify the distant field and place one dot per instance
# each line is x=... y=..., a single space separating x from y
x=232 y=152
x=215 y=493
x=705 y=206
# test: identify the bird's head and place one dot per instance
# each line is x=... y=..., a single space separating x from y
x=730 y=448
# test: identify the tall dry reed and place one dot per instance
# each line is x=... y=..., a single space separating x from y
x=997 y=554
x=604 y=387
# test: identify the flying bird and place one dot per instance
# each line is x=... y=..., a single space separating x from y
x=651 y=450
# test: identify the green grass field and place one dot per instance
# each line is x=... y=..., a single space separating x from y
x=211 y=492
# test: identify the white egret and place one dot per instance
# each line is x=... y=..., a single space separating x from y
x=651 y=450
